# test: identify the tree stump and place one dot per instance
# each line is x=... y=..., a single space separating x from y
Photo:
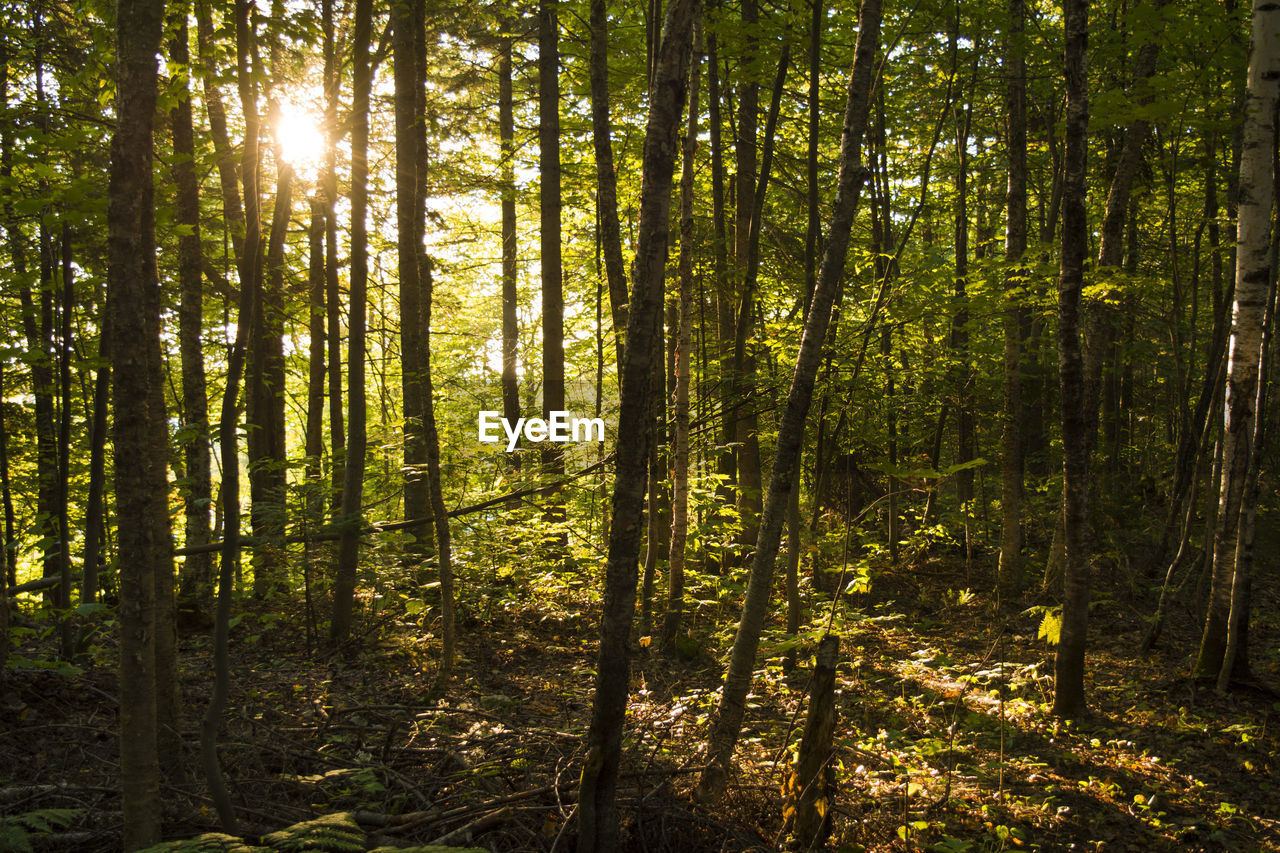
x=811 y=787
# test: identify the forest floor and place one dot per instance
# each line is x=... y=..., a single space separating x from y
x=944 y=741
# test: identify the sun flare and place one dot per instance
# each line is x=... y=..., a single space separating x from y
x=299 y=131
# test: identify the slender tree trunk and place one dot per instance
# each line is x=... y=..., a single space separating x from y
x=265 y=399
x=961 y=374
x=597 y=818
x=550 y=236
x=606 y=180
x=406 y=17
x=1068 y=698
x=726 y=463
x=65 y=300
x=37 y=322
x=1016 y=316
x=196 y=580
x=684 y=343
x=8 y=571
x=140 y=432
x=510 y=256
x=353 y=476
x=333 y=296
x=1253 y=273
x=728 y=720
x=316 y=333
x=444 y=548
x=1235 y=657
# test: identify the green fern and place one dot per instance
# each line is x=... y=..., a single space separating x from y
x=334 y=833
x=210 y=842
x=14 y=838
x=429 y=848
x=1051 y=626
x=16 y=830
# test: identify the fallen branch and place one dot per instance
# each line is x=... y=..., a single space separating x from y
x=466 y=832
x=334 y=533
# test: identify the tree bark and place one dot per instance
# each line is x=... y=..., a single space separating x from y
x=510 y=256
x=606 y=180
x=1016 y=316
x=333 y=297
x=196 y=580
x=684 y=352
x=597 y=818
x=1068 y=698
x=353 y=474
x=140 y=432
x=550 y=236
x=265 y=398
x=406 y=19
x=1253 y=273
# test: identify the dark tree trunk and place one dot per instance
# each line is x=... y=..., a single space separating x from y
x=406 y=19
x=314 y=438
x=683 y=353
x=333 y=296
x=140 y=432
x=606 y=180
x=552 y=265
x=353 y=475
x=597 y=818
x=1016 y=316
x=510 y=257
x=1068 y=698
x=265 y=399
x=196 y=574
x=444 y=547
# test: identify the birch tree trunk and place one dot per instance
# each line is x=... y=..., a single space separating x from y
x=1253 y=273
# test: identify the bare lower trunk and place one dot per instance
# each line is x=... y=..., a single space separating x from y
x=596 y=804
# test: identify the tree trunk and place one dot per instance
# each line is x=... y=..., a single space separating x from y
x=606 y=180
x=196 y=580
x=552 y=264
x=1016 y=316
x=597 y=819
x=353 y=474
x=510 y=258
x=1253 y=272
x=140 y=431
x=265 y=399
x=728 y=721
x=406 y=19
x=314 y=438
x=333 y=297
x=1068 y=698
x=684 y=343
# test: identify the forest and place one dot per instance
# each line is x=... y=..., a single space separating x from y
x=700 y=425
